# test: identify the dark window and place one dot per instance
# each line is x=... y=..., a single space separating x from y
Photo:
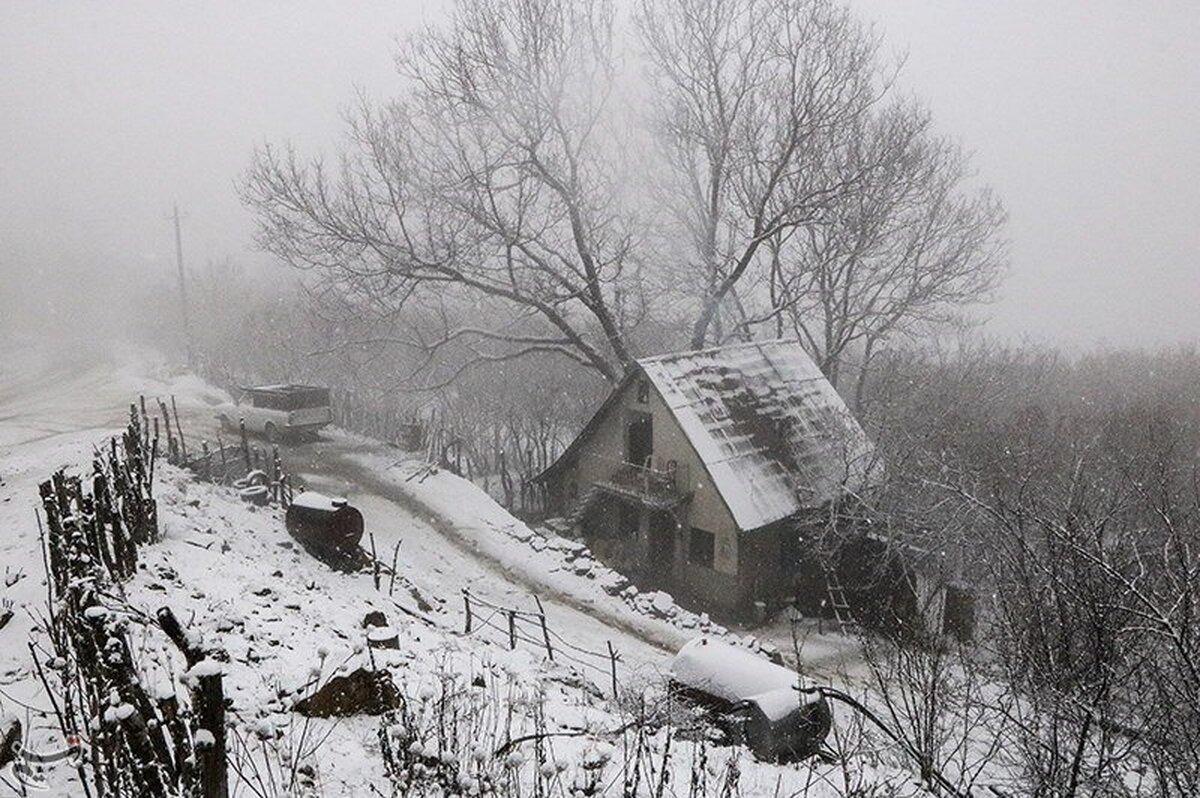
x=639 y=438
x=270 y=401
x=643 y=393
x=629 y=521
x=700 y=547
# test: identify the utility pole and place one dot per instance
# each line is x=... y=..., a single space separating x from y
x=183 y=300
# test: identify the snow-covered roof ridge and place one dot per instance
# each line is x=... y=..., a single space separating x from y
x=713 y=349
x=770 y=429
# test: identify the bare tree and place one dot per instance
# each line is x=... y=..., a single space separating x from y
x=503 y=206
x=905 y=249
x=754 y=101
x=489 y=187
x=1073 y=486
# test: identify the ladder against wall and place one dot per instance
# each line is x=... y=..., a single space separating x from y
x=838 y=601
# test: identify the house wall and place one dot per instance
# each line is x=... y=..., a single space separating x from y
x=763 y=574
x=724 y=585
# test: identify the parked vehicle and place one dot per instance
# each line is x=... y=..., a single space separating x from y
x=279 y=412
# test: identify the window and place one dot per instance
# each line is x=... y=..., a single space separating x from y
x=700 y=547
x=630 y=520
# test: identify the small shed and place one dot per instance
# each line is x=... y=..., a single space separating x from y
x=758 y=703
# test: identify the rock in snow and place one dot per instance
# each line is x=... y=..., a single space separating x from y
x=363 y=692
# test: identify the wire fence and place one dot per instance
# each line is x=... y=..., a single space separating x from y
x=525 y=626
x=257 y=473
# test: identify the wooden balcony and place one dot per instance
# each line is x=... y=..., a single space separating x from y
x=661 y=488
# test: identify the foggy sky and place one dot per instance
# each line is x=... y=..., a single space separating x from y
x=1082 y=115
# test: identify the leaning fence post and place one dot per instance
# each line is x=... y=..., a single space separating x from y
x=166 y=417
x=374 y=562
x=245 y=442
x=467 y=607
x=612 y=657
x=208 y=707
x=512 y=629
x=395 y=561
x=545 y=629
x=179 y=429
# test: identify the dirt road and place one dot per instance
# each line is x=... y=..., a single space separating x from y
x=46 y=398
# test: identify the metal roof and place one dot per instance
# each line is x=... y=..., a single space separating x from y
x=287 y=387
x=774 y=435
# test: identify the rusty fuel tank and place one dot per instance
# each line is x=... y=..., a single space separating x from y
x=327 y=527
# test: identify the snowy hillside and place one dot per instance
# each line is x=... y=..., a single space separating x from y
x=288 y=624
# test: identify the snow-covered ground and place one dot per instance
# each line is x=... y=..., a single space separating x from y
x=232 y=574
x=553 y=566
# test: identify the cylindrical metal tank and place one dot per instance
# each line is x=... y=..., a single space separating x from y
x=757 y=702
x=327 y=527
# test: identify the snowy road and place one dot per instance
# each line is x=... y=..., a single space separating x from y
x=86 y=397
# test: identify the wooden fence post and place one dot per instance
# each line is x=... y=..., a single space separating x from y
x=545 y=629
x=512 y=629
x=374 y=562
x=179 y=429
x=276 y=474
x=208 y=709
x=395 y=561
x=221 y=449
x=245 y=442
x=467 y=607
x=145 y=421
x=612 y=657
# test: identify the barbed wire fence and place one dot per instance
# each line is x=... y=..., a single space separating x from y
x=525 y=626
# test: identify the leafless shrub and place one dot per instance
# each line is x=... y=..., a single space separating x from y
x=1070 y=493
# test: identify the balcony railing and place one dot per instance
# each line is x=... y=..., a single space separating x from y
x=655 y=483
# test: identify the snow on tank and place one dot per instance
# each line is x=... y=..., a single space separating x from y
x=758 y=703
x=312 y=500
x=727 y=672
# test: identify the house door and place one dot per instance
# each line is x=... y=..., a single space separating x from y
x=639 y=439
x=662 y=543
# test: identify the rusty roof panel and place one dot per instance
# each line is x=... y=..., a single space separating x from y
x=772 y=432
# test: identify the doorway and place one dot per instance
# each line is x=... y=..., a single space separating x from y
x=639 y=439
x=661 y=540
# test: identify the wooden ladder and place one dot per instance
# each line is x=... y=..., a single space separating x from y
x=838 y=601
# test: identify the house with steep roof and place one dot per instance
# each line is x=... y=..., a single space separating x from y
x=694 y=472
